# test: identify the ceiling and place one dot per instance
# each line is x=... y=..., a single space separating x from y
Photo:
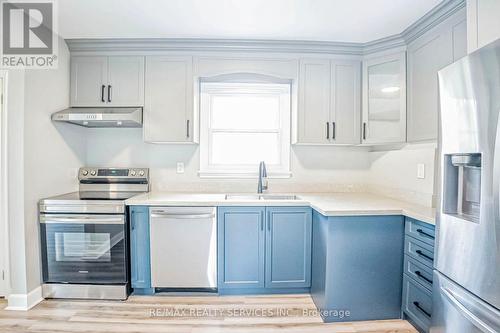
x=318 y=20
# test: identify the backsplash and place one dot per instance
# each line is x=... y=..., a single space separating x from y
x=314 y=168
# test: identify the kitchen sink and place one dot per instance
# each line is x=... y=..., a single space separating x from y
x=260 y=197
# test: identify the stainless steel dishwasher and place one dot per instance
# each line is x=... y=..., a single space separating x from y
x=183 y=244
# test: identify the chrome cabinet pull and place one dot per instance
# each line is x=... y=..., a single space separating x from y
x=187 y=128
x=109 y=93
x=327 y=130
x=364 y=131
x=334 y=130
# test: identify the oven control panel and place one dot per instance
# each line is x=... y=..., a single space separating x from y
x=112 y=173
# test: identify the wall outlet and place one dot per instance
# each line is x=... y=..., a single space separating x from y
x=420 y=171
x=180 y=167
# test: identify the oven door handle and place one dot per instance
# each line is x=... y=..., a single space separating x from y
x=82 y=219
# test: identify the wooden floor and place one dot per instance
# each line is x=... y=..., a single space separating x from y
x=235 y=314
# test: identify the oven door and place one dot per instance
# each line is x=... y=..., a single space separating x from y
x=88 y=249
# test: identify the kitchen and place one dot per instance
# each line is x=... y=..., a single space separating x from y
x=179 y=164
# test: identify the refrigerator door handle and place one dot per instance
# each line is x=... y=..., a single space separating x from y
x=473 y=318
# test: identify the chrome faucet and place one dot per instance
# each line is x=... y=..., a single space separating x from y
x=262 y=186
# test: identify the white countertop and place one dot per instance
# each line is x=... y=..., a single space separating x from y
x=328 y=204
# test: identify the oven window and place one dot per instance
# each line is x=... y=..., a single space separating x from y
x=72 y=246
x=84 y=253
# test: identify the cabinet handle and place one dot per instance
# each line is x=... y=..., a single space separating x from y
x=420 y=253
x=420 y=275
x=109 y=93
x=102 y=93
x=327 y=130
x=187 y=128
x=334 y=130
x=262 y=225
x=420 y=231
x=417 y=305
x=269 y=225
x=364 y=131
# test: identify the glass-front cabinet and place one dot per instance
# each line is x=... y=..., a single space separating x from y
x=384 y=99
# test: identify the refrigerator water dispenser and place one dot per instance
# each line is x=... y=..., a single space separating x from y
x=462 y=186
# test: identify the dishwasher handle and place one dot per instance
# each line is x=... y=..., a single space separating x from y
x=161 y=214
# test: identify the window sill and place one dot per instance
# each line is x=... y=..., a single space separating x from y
x=243 y=175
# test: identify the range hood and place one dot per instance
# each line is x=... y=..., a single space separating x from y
x=101 y=117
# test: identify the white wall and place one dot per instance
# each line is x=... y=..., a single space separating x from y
x=393 y=173
x=52 y=154
x=42 y=161
x=314 y=169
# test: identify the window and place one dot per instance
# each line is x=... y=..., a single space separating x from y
x=243 y=124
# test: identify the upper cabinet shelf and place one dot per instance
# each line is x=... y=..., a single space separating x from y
x=115 y=81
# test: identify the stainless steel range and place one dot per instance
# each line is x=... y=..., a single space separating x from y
x=84 y=235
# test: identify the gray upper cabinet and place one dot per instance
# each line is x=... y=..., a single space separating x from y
x=125 y=81
x=483 y=25
x=384 y=99
x=314 y=101
x=329 y=102
x=115 y=81
x=169 y=101
x=428 y=54
x=89 y=77
x=345 y=100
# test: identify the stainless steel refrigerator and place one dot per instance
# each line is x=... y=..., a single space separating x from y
x=466 y=287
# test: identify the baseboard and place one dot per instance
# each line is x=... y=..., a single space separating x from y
x=24 y=302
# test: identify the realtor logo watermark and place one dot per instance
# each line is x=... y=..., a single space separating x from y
x=28 y=34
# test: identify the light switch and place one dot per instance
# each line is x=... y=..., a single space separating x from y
x=180 y=167
x=420 y=171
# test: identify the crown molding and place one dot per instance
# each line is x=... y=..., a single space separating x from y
x=212 y=45
x=430 y=20
x=127 y=45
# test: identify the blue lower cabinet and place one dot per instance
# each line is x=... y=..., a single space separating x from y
x=140 y=267
x=241 y=247
x=288 y=247
x=418 y=278
x=264 y=249
x=357 y=267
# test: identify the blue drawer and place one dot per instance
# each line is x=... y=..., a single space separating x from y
x=418 y=272
x=422 y=252
x=417 y=303
x=419 y=230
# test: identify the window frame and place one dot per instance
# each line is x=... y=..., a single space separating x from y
x=210 y=89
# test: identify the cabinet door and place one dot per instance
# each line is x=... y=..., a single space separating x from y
x=384 y=99
x=139 y=247
x=426 y=56
x=125 y=81
x=169 y=100
x=345 y=102
x=88 y=81
x=241 y=247
x=483 y=25
x=314 y=102
x=288 y=247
